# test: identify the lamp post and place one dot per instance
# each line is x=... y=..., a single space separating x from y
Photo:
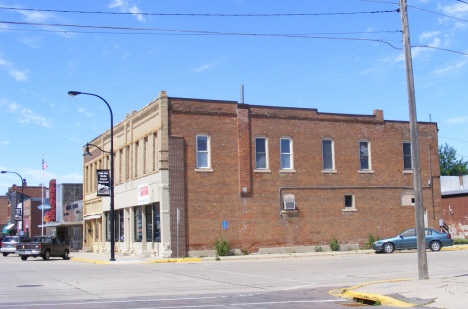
x=22 y=190
x=111 y=215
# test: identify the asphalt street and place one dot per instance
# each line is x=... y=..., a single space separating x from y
x=264 y=283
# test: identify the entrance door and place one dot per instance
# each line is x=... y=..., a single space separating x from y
x=76 y=234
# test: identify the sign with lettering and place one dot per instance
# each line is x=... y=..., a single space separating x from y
x=103 y=183
x=143 y=194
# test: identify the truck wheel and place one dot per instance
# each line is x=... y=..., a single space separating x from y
x=24 y=258
x=46 y=255
x=5 y=254
x=65 y=255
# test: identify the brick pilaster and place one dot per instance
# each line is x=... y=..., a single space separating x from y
x=243 y=133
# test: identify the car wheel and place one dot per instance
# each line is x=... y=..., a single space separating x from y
x=24 y=258
x=388 y=247
x=46 y=255
x=65 y=255
x=435 y=245
x=5 y=254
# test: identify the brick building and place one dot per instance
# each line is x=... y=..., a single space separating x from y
x=262 y=177
x=14 y=200
x=454 y=191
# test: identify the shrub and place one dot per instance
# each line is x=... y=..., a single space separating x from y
x=460 y=242
x=222 y=247
x=334 y=245
x=318 y=248
x=370 y=241
x=245 y=252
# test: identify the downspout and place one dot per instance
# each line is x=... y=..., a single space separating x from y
x=431 y=185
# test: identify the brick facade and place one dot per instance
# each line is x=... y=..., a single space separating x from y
x=255 y=216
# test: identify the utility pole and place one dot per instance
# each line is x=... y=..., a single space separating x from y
x=418 y=201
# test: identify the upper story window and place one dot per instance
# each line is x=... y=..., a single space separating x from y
x=261 y=153
x=286 y=153
x=203 y=151
x=327 y=154
x=407 y=160
x=364 y=155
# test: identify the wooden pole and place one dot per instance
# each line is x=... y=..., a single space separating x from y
x=418 y=201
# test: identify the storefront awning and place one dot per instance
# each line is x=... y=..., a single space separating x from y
x=92 y=217
x=8 y=228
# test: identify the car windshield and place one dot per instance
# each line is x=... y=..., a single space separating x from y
x=11 y=239
x=41 y=239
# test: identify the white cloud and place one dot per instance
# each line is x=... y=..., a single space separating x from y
x=82 y=110
x=36 y=16
x=124 y=6
x=35 y=176
x=449 y=68
x=26 y=115
x=32 y=42
x=5 y=142
x=201 y=69
x=426 y=35
x=117 y=3
x=458 y=9
x=18 y=75
x=457 y=120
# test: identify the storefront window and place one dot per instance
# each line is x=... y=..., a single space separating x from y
x=138 y=224
x=156 y=223
x=118 y=225
x=149 y=222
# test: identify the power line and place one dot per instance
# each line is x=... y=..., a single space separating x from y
x=448 y=16
x=444 y=49
x=462 y=1
x=149 y=33
x=201 y=32
x=202 y=14
x=453 y=139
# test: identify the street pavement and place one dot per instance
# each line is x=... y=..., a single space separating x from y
x=438 y=292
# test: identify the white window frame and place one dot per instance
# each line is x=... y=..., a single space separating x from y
x=257 y=168
x=353 y=201
x=332 y=169
x=290 y=153
x=406 y=170
x=207 y=151
x=288 y=201
x=369 y=156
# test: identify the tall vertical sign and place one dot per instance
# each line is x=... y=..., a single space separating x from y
x=50 y=214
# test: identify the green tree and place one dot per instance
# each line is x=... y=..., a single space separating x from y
x=449 y=165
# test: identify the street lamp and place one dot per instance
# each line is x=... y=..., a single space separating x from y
x=22 y=196
x=111 y=215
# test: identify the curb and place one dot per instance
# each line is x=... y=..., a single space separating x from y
x=136 y=261
x=384 y=300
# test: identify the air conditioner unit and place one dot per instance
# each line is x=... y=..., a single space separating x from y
x=289 y=205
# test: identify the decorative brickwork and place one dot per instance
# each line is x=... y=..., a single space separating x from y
x=177 y=194
x=245 y=170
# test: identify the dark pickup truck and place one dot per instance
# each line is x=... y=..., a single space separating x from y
x=43 y=246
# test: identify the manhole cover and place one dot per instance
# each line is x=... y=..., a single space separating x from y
x=30 y=286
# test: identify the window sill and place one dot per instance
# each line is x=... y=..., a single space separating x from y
x=204 y=170
x=408 y=172
x=366 y=172
x=349 y=210
x=287 y=171
x=290 y=212
x=329 y=172
x=262 y=171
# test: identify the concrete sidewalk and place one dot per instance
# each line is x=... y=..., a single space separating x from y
x=449 y=292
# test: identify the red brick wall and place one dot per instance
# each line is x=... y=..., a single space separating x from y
x=254 y=220
x=4 y=214
x=457 y=220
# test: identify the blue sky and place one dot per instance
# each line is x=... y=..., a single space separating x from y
x=41 y=59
